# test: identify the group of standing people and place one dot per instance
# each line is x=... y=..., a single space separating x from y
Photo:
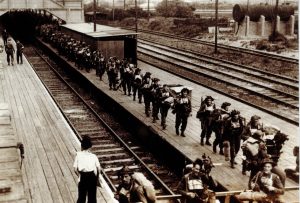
x=10 y=50
x=229 y=127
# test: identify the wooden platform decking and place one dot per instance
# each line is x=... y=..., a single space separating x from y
x=11 y=182
x=231 y=179
x=50 y=145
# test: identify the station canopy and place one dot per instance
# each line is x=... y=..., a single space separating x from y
x=101 y=30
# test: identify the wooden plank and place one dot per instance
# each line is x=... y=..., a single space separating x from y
x=44 y=112
x=32 y=164
x=48 y=187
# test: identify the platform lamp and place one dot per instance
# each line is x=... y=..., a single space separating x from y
x=216 y=27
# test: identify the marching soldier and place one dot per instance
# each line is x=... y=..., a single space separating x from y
x=128 y=78
x=87 y=59
x=233 y=126
x=206 y=109
x=218 y=127
x=146 y=92
x=154 y=89
x=182 y=108
x=137 y=82
x=166 y=101
x=102 y=66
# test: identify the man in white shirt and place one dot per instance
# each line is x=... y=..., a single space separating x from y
x=87 y=167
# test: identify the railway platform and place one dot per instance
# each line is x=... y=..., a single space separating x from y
x=49 y=143
x=231 y=179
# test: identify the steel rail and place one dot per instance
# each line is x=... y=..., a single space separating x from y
x=294 y=122
x=164 y=186
x=216 y=61
x=61 y=110
x=227 y=82
x=228 y=47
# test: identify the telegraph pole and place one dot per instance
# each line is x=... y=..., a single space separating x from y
x=136 y=17
x=113 y=11
x=148 y=10
x=216 y=28
x=94 y=15
x=275 y=18
x=124 y=5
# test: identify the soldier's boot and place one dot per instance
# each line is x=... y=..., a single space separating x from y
x=232 y=164
x=221 y=152
x=164 y=126
x=182 y=134
x=133 y=98
x=177 y=131
x=214 y=148
x=202 y=141
x=207 y=142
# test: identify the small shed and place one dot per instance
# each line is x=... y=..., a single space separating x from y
x=111 y=41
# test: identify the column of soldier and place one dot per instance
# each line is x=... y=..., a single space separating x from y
x=229 y=127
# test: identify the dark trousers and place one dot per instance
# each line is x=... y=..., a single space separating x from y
x=19 y=57
x=136 y=89
x=164 y=108
x=206 y=129
x=87 y=186
x=147 y=102
x=235 y=144
x=155 y=109
x=218 y=140
x=181 y=119
x=10 y=58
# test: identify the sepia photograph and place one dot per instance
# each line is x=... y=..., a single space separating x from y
x=149 y=101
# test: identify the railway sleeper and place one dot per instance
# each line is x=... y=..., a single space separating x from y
x=114 y=170
x=99 y=150
x=106 y=157
x=105 y=146
x=103 y=141
x=117 y=162
x=96 y=135
x=87 y=130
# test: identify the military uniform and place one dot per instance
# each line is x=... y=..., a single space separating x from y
x=182 y=108
x=166 y=101
x=146 y=92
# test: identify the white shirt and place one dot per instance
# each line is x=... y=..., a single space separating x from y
x=86 y=161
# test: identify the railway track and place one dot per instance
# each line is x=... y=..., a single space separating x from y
x=226 y=47
x=269 y=92
x=112 y=143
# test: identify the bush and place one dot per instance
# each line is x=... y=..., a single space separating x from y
x=155 y=25
x=176 y=8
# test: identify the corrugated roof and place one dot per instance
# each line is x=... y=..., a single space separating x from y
x=101 y=30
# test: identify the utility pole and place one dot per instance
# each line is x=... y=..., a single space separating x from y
x=148 y=10
x=167 y=8
x=275 y=18
x=216 y=28
x=136 y=17
x=124 y=5
x=113 y=10
x=94 y=15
